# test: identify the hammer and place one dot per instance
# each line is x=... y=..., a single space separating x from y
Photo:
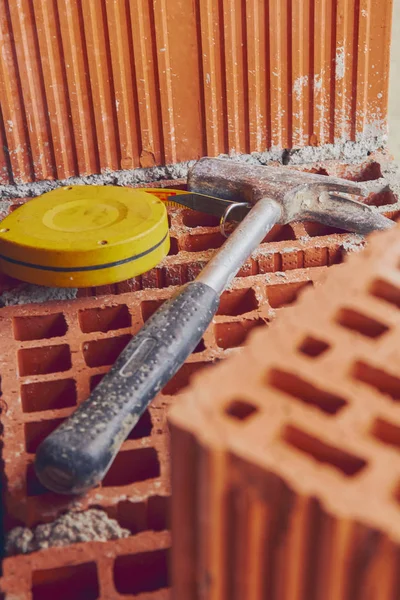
x=77 y=455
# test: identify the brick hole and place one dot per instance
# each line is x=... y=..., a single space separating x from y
x=142 y=428
x=385 y=291
x=15 y=206
x=33 y=485
x=193 y=218
x=149 y=307
x=378 y=379
x=356 y=321
x=35 y=433
x=104 y=319
x=306 y=392
x=95 y=380
x=104 y=352
x=314 y=170
x=200 y=347
x=202 y=242
x=131 y=466
x=240 y=410
x=152 y=515
x=158 y=510
x=132 y=516
x=234 y=334
x=370 y=172
x=284 y=294
x=280 y=233
x=173 y=246
x=77 y=582
x=40 y=327
x=48 y=359
x=250 y=267
x=181 y=379
x=317 y=229
x=386 y=432
x=313 y=347
x=11 y=521
x=336 y=256
x=237 y=302
x=343 y=461
x=48 y=395
x=138 y=573
x=382 y=198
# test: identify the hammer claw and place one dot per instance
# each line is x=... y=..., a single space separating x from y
x=335 y=210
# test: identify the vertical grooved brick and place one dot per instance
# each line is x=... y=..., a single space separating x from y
x=89 y=87
x=311 y=495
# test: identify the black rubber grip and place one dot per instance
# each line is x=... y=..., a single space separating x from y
x=77 y=455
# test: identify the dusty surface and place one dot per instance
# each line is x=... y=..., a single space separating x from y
x=70 y=528
x=355 y=245
x=378 y=174
x=126 y=177
x=35 y=294
x=351 y=152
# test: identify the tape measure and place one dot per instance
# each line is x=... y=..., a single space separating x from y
x=84 y=236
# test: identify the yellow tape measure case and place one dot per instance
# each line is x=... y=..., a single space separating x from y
x=83 y=236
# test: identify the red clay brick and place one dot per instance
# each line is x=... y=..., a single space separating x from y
x=137 y=566
x=285 y=458
x=195 y=237
x=56 y=373
x=42 y=384
x=45 y=390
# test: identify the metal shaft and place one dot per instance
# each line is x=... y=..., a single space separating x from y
x=221 y=269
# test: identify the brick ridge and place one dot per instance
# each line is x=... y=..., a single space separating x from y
x=50 y=307
x=18 y=570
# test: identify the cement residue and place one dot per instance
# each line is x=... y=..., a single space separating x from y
x=348 y=152
x=70 y=528
x=351 y=152
x=391 y=176
x=340 y=63
x=5 y=207
x=356 y=244
x=299 y=85
x=35 y=294
x=120 y=178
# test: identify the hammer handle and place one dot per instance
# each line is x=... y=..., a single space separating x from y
x=77 y=455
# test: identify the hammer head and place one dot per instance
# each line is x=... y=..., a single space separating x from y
x=301 y=196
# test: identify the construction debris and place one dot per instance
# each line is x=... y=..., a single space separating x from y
x=70 y=528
